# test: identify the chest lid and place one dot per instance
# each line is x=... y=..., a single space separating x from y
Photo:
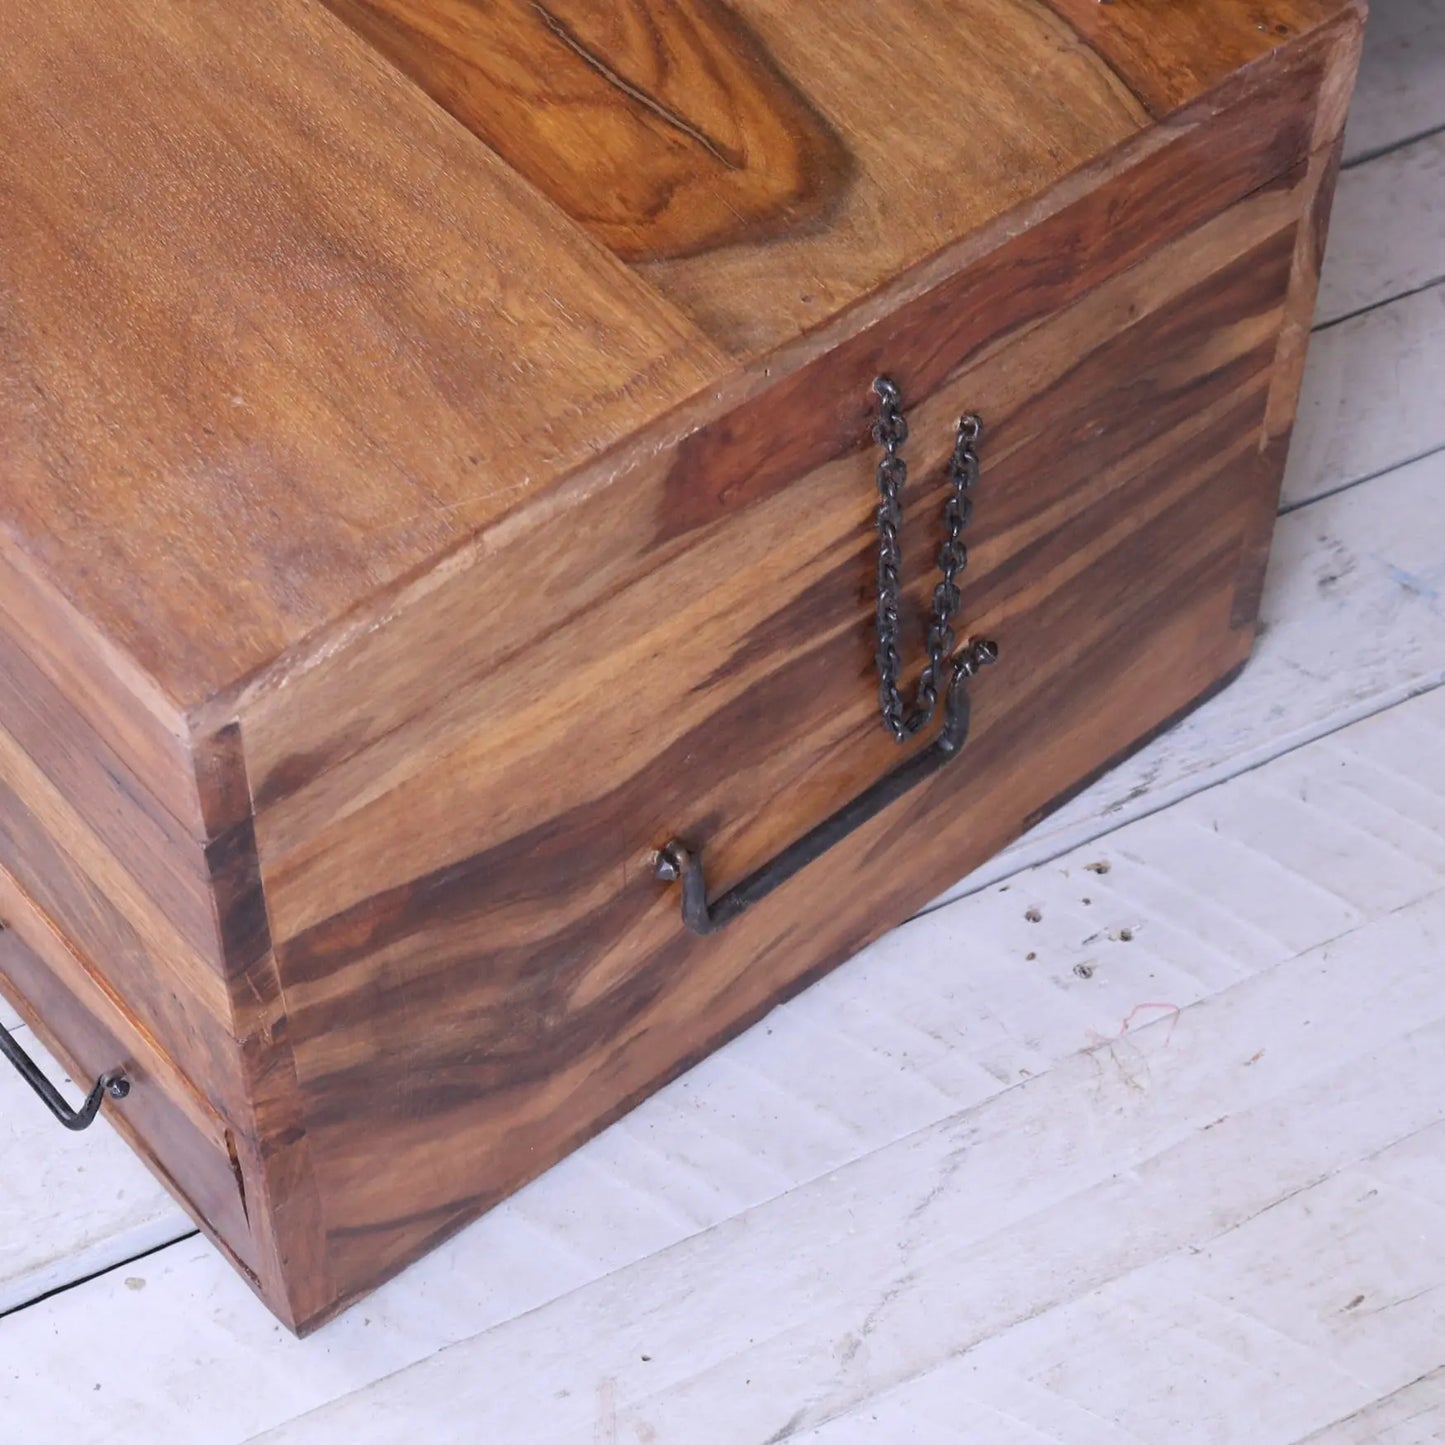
x=298 y=297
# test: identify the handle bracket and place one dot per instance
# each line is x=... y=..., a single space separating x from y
x=676 y=862
x=108 y=1086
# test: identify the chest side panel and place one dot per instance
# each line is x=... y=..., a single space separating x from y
x=477 y=966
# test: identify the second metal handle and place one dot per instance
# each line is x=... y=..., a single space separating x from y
x=108 y=1086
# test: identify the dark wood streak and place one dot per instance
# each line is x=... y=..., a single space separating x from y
x=549 y=975
x=731 y=156
x=824 y=411
x=662 y=126
x=232 y=862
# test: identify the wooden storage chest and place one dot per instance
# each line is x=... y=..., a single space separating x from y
x=440 y=446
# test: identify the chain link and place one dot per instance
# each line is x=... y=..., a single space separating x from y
x=890 y=432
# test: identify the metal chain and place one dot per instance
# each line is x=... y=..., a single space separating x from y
x=890 y=431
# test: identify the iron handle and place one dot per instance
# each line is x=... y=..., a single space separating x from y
x=113 y=1086
x=676 y=862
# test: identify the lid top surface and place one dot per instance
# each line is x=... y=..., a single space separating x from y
x=298 y=296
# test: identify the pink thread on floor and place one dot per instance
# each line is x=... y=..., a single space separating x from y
x=1170 y=1008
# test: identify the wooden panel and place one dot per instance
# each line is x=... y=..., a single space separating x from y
x=550 y=971
x=1169 y=53
x=721 y=648
x=167 y=1123
x=662 y=126
x=1011 y=102
x=68 y=761
x=177 y=996
x=303 y=334
x=744 y=145
x=422 y=671
x=107 y=692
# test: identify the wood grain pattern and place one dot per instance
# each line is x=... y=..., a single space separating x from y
x=742 y=618
x=1169 y=54
x=661 y=126
x=437 y=565
x=556 y=983
x=419 y=672
x=248 y=393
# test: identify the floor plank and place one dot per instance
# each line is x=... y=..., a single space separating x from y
x=1413 y=1415
x=1327 y=1298
x=1373 y=397
x=1387 y=234
x=947 y=1015
x=1401 y=90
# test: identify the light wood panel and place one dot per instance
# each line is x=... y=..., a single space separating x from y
x=328 y=335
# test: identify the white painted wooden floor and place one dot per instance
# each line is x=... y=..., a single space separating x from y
x=1166 y=1165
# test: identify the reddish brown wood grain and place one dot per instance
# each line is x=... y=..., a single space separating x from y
x=1170 y=53
x=405 y=528
x=662 y=126
x=549 y=966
